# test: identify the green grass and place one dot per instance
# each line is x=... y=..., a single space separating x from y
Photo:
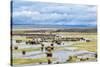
x=30 y=61
x=27 y=49
x=90 y=36
x=36 y=49
x=89 y=46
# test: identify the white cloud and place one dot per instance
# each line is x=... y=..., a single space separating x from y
x=25 y=13
x=60 y=14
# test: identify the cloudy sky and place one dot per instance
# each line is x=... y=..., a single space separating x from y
x=41 y=13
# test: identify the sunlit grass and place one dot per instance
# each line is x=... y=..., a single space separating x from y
x=89 y=46
x=38 y=49
x=30 y=61
x=26 y=49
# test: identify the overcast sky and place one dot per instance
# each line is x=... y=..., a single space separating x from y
x=41 y=13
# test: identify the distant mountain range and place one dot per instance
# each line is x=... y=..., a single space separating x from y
x=89 y=30
x=58 y=28
x=51 y=26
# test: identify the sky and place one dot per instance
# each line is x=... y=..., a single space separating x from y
x=53 y=14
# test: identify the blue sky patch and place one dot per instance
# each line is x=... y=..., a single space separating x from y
x=41 y=13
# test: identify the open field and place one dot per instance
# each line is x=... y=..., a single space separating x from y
x=73 y=47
